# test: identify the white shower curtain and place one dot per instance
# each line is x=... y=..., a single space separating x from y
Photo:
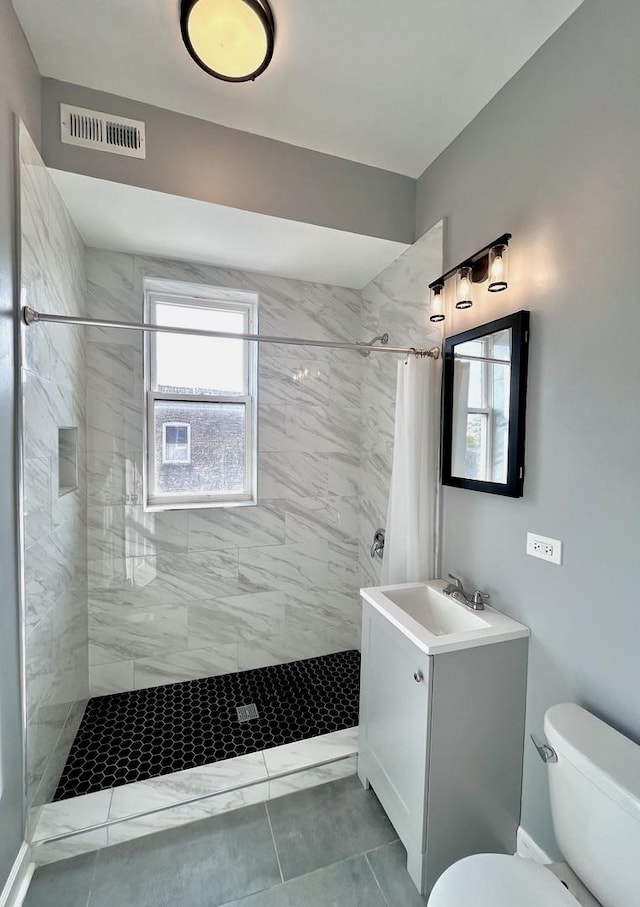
x=409 y=554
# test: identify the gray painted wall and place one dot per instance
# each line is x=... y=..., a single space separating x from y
x=197 y=159
x=19 y=94
x=554 y=158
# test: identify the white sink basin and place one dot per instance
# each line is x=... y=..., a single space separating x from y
x=436 y=612
x=438 y=623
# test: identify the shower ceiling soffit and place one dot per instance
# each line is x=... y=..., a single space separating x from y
x=169 y=226
x=374 y=81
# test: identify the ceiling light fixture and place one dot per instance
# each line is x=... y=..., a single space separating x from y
x=232 y=40
x=488 y=263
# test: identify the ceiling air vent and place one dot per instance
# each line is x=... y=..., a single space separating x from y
x=101 y=131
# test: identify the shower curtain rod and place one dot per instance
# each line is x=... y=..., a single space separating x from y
x=31 y=316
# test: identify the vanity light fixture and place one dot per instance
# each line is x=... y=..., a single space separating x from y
x=232 y=40
x=488 y=263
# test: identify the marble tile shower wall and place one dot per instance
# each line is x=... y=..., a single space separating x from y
x=395 y=301
x=53 y=369
x=183 y=594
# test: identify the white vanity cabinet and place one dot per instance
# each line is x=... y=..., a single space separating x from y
x=441 y=736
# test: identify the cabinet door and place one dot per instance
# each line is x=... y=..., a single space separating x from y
x=394 y=724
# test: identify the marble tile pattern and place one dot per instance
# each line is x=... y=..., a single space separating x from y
x=145 y=807
x=53 y=384
x=180 y=595
x=397 y=300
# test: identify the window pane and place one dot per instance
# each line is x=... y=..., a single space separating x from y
x=476 y=447
x=217 y=449
x=199 y=365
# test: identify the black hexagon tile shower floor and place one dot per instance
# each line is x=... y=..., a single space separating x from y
x=141 y=734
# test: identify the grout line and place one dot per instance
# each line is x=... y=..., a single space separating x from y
x=93 y=876
x=273 y=838
x=110 y=804
x=375 y=878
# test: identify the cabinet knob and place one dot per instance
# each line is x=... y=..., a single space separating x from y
x=418 y=676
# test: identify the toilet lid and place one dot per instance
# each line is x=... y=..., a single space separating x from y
x=499 y=880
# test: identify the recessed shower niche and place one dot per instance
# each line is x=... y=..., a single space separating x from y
x=67 y=460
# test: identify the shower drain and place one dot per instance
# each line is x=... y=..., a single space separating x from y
x=247 y=712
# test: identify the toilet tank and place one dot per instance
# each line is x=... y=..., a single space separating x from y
x=595 y=803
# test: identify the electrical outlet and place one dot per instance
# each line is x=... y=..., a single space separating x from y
x=545 y=548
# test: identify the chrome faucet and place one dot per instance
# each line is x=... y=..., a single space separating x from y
x=456 y=591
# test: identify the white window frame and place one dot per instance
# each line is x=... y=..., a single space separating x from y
x=221 y=298
x=165 y=459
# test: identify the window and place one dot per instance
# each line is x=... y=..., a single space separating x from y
x=487 y=411
x=200 y=398
x=176 y=442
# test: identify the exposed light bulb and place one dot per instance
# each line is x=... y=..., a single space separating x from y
x=497 y=268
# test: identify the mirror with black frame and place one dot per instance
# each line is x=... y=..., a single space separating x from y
x=484 y=399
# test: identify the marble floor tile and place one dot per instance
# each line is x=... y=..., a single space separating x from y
x=306 y=753
x=72 y=815
x=173 y=789
x=52 y=851
x=311 y=777
x=176 y=816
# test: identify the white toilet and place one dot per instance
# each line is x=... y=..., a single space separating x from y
x=595 y=802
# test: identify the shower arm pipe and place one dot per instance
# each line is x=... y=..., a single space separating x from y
x=31 y=316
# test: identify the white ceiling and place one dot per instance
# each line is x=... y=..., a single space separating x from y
x=385 y=82
x=125 y=218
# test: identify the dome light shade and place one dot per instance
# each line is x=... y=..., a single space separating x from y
x=232 y=40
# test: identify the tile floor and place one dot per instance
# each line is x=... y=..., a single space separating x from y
x=142 y=734
x=162 y=803
x=330 y=845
